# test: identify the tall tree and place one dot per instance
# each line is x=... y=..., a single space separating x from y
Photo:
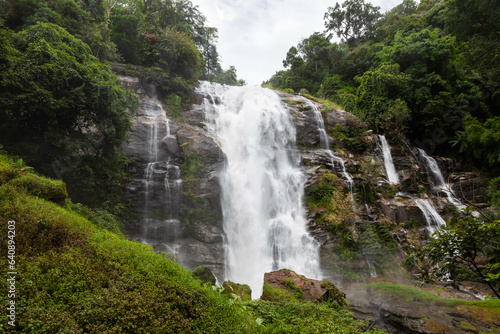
x=352 y=21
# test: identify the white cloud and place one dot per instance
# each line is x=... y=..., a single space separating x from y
x=255 y=35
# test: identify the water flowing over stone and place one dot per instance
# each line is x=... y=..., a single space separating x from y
x=436 y=178
x=390 y=169
x=337 y=161
x=262 y=185
x=433 y=219
x=162 y=180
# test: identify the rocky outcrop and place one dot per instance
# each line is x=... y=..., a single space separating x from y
x=311 y=290
x=204 y=274
x=396 y=314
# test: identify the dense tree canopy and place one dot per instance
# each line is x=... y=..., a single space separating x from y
x=63 y=110
x=355 y=19
x=60 y=104
x=432 y=64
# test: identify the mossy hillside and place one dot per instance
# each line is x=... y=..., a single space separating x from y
x=76 y=277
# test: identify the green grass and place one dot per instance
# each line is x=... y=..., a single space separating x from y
x=410 y=293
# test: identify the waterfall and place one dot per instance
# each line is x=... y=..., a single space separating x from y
x=262 y=185
x=433 y=219
x=373 y=270
x=390 y=169
x=337 y=161
x=162 y=180
x=436 y=178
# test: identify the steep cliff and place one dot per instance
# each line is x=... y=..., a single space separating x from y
x=367 y=200
x=173 y=187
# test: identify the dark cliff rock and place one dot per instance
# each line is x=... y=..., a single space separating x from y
x=174 y=187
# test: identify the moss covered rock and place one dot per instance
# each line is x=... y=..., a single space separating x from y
x=299 y=287
x=204 y=274
x=241 y=290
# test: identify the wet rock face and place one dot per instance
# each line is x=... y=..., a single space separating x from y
x=176 y=199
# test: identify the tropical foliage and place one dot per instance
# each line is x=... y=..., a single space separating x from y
x=432 y=64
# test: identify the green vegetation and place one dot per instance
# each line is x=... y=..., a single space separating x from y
x=241 y=291
x=467 y=245
x=292 y=316
x=191 y=166
x=75 y=276
x=432 y=65
x=272 y=294
x=410 y=293
x=296 y=291
x=52 y=89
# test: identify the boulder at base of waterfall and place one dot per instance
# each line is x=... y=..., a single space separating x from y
x=241 y=290
x=311 y=290
x=204 y=274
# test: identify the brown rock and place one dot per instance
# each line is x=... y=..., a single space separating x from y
x=313 y=290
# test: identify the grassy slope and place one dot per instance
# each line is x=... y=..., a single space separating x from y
x=74 y=277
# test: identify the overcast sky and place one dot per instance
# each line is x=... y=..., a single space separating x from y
x=255 y=35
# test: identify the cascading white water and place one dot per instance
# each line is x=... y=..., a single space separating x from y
x=436 y=178
x=433 y=219
x=162 y=179
x=337 y=161
x=373 y=270
x=390 y=169
x=262 y=185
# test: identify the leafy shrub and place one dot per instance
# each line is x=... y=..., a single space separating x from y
x=292 y=316
x=319 y=193
x=385 y=236
x=494 y=191
x=271 y=293
x=191 y=166
x=243 y=291
x=412 y=224
x=48 y=189
x=174 y=103
x=100 y=218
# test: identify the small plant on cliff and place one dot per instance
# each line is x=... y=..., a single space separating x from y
x=191 y=166
x=290 y=285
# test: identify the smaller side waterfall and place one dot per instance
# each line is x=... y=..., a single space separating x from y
x=337 y=161
x=390 y=169
x=162 y=180
x=373 y=271
x=433 y=219
x=436 y=178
